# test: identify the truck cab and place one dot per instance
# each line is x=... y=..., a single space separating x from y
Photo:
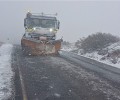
x=41 y=25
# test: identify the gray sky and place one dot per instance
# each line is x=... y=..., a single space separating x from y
x=78 y=18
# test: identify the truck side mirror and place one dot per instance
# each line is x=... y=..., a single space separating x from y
x=25 y=22
x=58 y=24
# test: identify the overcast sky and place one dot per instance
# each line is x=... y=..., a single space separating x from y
x=77 y=18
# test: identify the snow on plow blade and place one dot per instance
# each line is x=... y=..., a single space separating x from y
x=31 y=47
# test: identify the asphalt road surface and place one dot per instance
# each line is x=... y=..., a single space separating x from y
x=63 y=77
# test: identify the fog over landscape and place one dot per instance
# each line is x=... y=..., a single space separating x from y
x=77 y=18
x=82 y=63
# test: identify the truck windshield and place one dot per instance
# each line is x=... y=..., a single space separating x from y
x=44 y=23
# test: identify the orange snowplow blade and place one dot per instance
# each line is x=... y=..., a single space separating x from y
x=31 y=47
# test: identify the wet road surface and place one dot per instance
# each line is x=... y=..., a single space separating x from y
x=58 y=78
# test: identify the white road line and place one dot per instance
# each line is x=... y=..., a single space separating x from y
x=22 y=85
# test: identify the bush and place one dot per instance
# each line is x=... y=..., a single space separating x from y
x=65 y=43
x=97 y=41
x=78 y=42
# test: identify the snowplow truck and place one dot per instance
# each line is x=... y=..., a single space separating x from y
x=40 y=35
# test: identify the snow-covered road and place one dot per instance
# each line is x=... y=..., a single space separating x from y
x=64 y=77
x=6 y=73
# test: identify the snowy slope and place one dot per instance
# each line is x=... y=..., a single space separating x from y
x=109 y=55
x=6 y=73
x=69 y=47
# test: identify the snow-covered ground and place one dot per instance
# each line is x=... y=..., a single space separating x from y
x=6 y=73
x=110 y=55
x=69 y=47
x=96 y=56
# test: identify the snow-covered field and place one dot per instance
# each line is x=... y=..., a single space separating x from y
x=111 y=57
x=69 y=47
x=111 y=54
x=96 y=56
x=6 y=73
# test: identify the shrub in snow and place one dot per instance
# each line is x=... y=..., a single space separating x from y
x=103 y=52
x=97 y=41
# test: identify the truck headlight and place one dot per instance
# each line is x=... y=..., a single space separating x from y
x=34 y=28
x=51 y=29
